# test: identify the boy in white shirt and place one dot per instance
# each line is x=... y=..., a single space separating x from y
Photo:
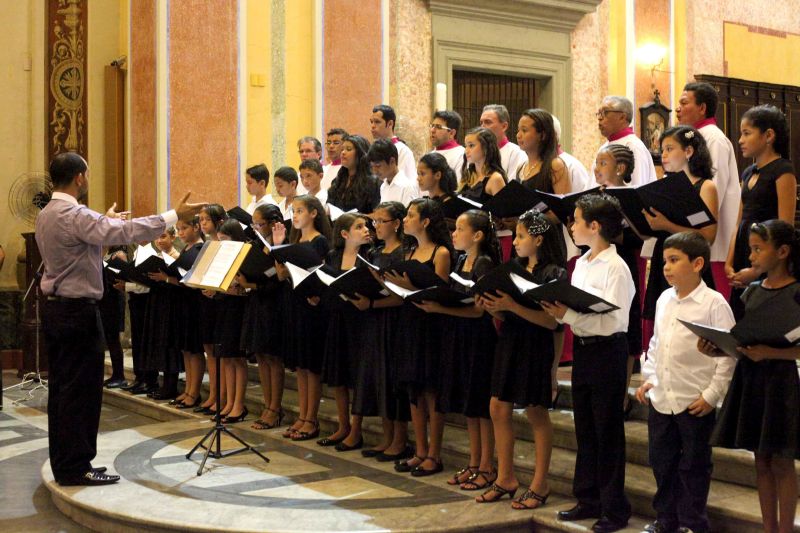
x=257 y=181
x=395 y=186
x=599 y=367
x=684 y=386
x=311 y=177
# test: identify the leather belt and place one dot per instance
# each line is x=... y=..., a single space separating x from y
x=63 y=299
x=586 y=341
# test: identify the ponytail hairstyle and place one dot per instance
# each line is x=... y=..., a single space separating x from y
x=780 y=233
x=550 y=251
x=270 y=212
x=216 y=213
x=397 y=211
x=548 y=147
x=321 y=222
x=766 y=117
x=491 y=154
x=481 y=221
x=233 y=229
x=344 y=223
x=438 y=163
x=436 y=230
x=622 y=156
x=700 y=163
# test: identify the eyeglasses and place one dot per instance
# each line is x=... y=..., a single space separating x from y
x=256 y=225
x=603 y=112
x=333 y=143
x=378 y=221
x=439 y=127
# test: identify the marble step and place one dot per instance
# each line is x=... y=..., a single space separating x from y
x=732 y=506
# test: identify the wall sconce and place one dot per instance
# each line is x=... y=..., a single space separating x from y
x=652 y=56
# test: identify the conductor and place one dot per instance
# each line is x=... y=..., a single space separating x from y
x=71 y=238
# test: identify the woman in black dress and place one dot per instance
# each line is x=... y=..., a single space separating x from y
x=354 y=187
x=420 y=335
x=769 y=190
x=483 y=176
x=468 y=345
x=262 y=334
x=307 y=323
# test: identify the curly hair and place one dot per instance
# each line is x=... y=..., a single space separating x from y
x=700 y=165
x=603 y=209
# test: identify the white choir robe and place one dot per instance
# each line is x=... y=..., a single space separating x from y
x=729 y=191
x=455 y=159
x=644 y=171
x=512 y=158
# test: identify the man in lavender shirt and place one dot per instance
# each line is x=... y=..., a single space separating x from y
x=71 y=238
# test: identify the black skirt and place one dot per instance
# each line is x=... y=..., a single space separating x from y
x=468 y=346
x=419 y=350
x=188 y=317
x=158 y=347
x=344 y=344
x=308 y=328
x=228 y=328
x=761 y=410
x=261 y=325
x=208 y=318
x=522 y=364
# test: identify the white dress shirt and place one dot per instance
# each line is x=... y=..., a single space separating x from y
x=578 y=175
x=678 y=372
x=329 y=172
x=729 y=192
x=402 y=189
x=512 y=158
x=266 y=199
x=455 y=159
x=608 y=277
x=644 y=171
x=405 y=158
x=322 y=195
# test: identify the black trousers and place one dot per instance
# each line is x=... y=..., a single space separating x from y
x=136 y=305
x=680 y=455
x=74 y=339
x=599 y=374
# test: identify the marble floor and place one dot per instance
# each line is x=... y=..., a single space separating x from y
x=302 y=488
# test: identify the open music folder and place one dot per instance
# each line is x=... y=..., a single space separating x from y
x=511 y=201
x=562 y=205
x=216 y=265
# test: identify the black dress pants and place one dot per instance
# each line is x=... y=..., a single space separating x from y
x=599 y=374
x=680 y=455
x=74 y=340
x=137 y=303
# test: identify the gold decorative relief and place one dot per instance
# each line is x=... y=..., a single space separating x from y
x=67 y=82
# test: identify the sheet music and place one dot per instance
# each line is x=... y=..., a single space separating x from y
x=335 y=212
x=142 y=253
x=471 y=202
x=326 y=278
x=298 y=274
x=370 y=265
x=168 y=259
x=262 y=239
x=462 y=281
x=398 y=290
x=522 y=284
x=221 y=264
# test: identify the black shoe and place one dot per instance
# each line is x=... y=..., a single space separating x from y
x=422 y=472
x=579 y=512
x=114 y=383
x=131 y=385
x=142 y=388
x=235 y=419
x=403 y=466
x=383 y=457
x=89 y=479
x=327 y=441
x=659 y=526
x=99 y=469
x=607 y=525
x=369 y=454
x=342 y=447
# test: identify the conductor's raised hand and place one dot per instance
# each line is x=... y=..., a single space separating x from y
x=112 y=213
x=187 y=211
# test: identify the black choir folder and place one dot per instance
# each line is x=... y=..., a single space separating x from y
x=257 y=266
x=305 y=282
x=511 y=201
x=241 y=215
x=359 y=280
x=455 y=206
x=516 y=282
x=301 y=254
x=562 y=205
x=673 y=195
x=441 y=294
x=419 y=274
x=782 y=330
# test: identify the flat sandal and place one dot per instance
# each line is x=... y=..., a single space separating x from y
x=457 y=476
x=488 y=478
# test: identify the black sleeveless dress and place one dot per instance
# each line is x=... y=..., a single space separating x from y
x=376 y=391
x=158 y=346
x=761 y=411
x=759 y=204
x=656 y=282
x=477 y=193
x=524 y=354
x=419 y=345
x=188 y=331
x=262 y=331
x=468 y=346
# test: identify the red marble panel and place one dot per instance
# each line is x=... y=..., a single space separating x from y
x=351 y=64
x=203 y=105
x=143 y=98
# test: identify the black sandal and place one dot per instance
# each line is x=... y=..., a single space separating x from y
x=456 y=479
x=291 y=431
x=472 y=481
x=260 y=423
x=529 y=495
x=307 y=435
x=403 y=466
x=500 y=493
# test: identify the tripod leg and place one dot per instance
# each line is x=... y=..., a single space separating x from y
x=199 y=444
x=208 y=452
x=246 y=446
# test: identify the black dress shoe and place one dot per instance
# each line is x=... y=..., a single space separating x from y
x=141 y=388
x=342 y=447
x=422 y=472
x=369 y=454
x=114 y=383
x=579 y=512
x=89 y=479
x=384 y=457
x=99 y=469
x=607 y=525
x=131 y=385
x=328 y=441
x=659 y=526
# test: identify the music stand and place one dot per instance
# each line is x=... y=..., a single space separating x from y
x=216 y=434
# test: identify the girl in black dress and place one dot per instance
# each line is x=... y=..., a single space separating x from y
x=468 y=345
x=349 y=332
x=307 y=323
x=524 y=356
x=187 y=338
x=420 y=335
x=761 y=411
x=211 y=218
x=262 y=334
x=228 y=331
x=376 y=393
x=683 y=151
x=613 y=167
x=354 y=187
x=483 y=176
x=769 y=190
x=437 y=179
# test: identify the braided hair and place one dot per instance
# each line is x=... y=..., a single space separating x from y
x=622 y=156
